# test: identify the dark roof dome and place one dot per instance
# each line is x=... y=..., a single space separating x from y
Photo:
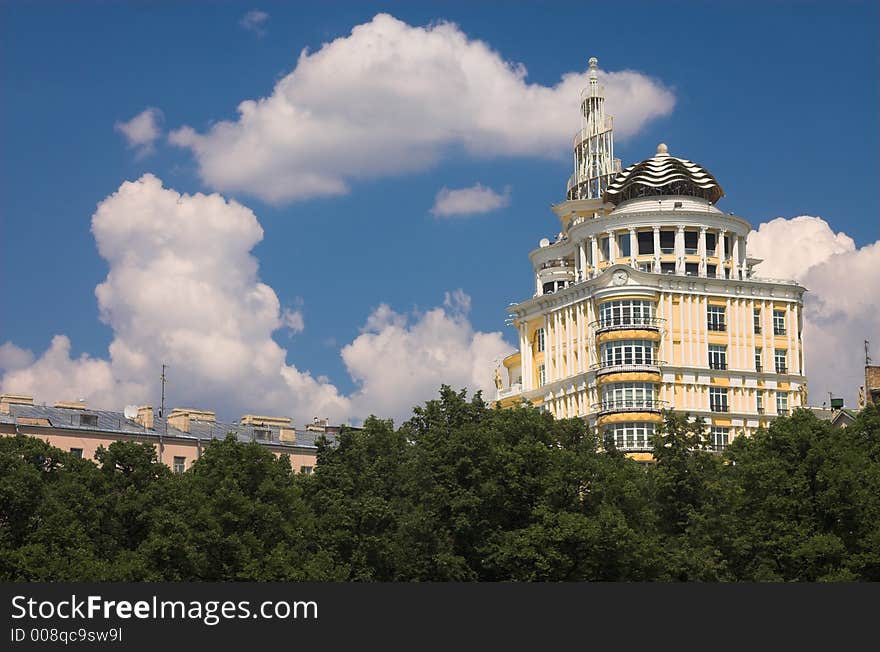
x=663 y=175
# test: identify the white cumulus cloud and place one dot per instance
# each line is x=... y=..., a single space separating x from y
x=142 y=131
x=841 y=309
x=400 y=360
x=469 y=201
x=183 y=289
x=255 y=21
x=391 y=98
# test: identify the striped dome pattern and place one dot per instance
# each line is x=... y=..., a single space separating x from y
x=663 y=175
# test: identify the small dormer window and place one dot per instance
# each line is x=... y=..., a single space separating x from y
x=88 y=420
x=262 y=434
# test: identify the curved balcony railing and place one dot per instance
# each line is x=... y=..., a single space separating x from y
x=556 y=262
x=586 y=132
x=651 y=366
x=629 y=405
x=627 y=323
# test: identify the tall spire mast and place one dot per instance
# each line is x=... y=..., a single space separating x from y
x=594 y=162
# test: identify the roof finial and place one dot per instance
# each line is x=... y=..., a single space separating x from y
x=662 y=150
x=594 y=68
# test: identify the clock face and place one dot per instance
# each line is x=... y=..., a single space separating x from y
x=620 y=277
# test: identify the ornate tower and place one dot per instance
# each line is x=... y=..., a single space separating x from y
x=594 y=162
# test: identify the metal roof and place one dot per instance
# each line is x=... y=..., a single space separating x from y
x=117 y=423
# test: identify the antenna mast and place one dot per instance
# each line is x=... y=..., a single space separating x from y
x=162 y=406
x=867 y=357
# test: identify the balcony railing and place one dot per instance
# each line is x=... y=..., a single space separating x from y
x=778 y=331
x=627 y=323
x=721 y=366
x=758 y=367
x=760 y=410
x=650 y=366
x=718 y=326
x=757 y=330
x=781 y=369
x=629 y=405
x=783 y=412
x=719 y=407
x=514 y=389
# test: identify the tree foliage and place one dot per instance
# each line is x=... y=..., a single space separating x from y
x=461 y=492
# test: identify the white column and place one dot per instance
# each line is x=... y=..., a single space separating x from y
x=613 y=252
x=525 y=355
x=582 y=256
x=679 y=249
x=721 y=254
x=633 y=247
x=657 y=249
x=734 y=258
x=701 y=249
x=594 y=250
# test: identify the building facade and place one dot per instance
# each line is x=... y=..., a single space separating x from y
x=647 y=299
x=179 y=438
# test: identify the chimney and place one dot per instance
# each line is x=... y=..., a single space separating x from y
x=7 y=400
x=145 y=416
x=71 y=405
x=181 y=417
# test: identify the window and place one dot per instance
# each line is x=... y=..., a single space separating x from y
x=622 y=396
x=540 y=337
x=306 y=470
x=711 y=270
x=542 y=375
x=758 y=366
x=711 y=243
x=76 y=452
x=756 y=315
x=720 y=437
x=779 y=322
x=779 y=358
x=717 y=356
x=667 y=241
x=89 y=420
x=782 y=403
x=605 y=247
x=692 y=269
x=667 y=268
x=624 y=244
x=691 y=242
x=759 y=401
x=631 y=436
x=727 y=251
x=646 y=267
x=718 y=399
x=627 y=352
x=716 y=318
x=627 y=312
x=179 y=464
x=646 y=242
x=262 y=434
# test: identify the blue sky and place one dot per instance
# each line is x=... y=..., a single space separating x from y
x=778 y=100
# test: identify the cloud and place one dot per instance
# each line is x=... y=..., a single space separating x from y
x=14 y=357
x=255 y=21
x=391 y=99
x=840 y=310
x=183 y=289
x=142 y=131
x=400 y=360
x=468 y=201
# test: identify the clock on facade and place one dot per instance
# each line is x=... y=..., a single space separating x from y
x=620 y=277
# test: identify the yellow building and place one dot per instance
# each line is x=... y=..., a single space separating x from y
x=647 y=299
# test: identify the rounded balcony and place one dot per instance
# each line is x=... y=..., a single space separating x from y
x=607 y=368
x=628 y=323
x=629 y=405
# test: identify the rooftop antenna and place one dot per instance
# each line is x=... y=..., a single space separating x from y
x=867 y=356
x=162 y=405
